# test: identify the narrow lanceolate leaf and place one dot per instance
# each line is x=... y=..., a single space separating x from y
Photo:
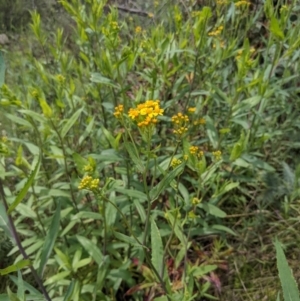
x=134 y=157
x=165 y=182
x=275 y=28
x=15 y=267
x=2 y=70
x=156 y=246
x=70 y=122
x=24 y=190
x=288 y=283
x=91 y=248
x=50 y=240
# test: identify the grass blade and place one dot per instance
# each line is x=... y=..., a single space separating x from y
x=50 y=240
x=288 y=283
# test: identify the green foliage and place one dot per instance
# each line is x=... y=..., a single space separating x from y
x=288 y=282
x=126 y=155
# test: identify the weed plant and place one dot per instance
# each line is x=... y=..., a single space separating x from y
x=125 y=156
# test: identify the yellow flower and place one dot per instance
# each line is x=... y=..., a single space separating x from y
x=88 y=183
x=201 y=121
x=88 y=168
x=175 y=162
x=192 y=110
x=85 y=182
x=194 y=149
x=217 y=155
x=151 y=15
x=217 y=31
x=146 y=113
x=118 y=111
x=200 y=154
x=138 y=29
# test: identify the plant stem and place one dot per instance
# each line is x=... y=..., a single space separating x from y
x=19 y=244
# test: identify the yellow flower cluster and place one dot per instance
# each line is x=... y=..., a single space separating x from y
x=88 y=168
x=146 y=113
x=217 y=155
x=175 y=162
x=88 y=183
x=114 y=25
x=118 y=111
x=242 y=3
x=194 y=150
x=180 y=122
x=191 y=109
x=201 y=121
x=216 y=32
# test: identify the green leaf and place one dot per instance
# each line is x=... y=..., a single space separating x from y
x=165 y=182
x=13 y=268
x=91 y=248
x=156 y=246
x=288 y=283
x=223 y=229
x=213 y=210
x=275 y=28
x=236 y=151
x=278 y=297
x=27 y=286
x=69 y=291
x=2 y=69
x=212 y=132
x=24 y=190
x=127 y=239
x=62 y=259
x=109 y=137
x=134 y=156
x=57 y=277
x=20 y=292
x=203 y=270
x=12 y=296
x=70 y=122
x=79 y=161
x=50 y=240
x=99 y=79
x=4 y=297
x=87 y=215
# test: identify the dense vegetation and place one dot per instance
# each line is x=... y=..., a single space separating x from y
x=149 y=153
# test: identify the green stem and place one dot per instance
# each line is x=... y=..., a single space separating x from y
x=147 y=191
